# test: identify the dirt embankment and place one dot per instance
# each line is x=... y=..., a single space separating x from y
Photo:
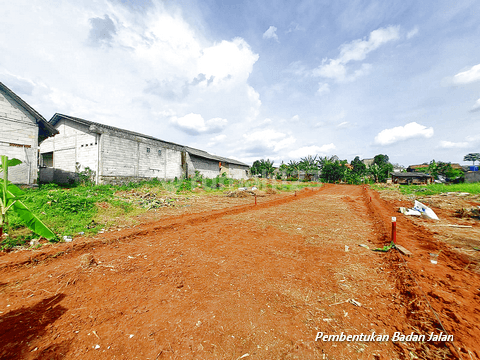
x=440 y=295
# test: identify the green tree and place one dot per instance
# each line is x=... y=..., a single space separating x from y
x=309 y=164
x=334 y=171
x=384 y=168
x=445 y=169
x=359 y=168
x=375 y=171
x=292 y=169
x=262 y=167
x=472 y=157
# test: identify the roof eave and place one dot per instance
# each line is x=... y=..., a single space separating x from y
x=46 y=130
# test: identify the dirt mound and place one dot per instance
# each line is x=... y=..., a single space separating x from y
x=240 y=193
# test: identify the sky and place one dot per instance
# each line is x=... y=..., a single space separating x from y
x=257 y=79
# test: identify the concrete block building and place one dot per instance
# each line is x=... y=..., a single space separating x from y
x=211 y=166
x=115 y=155
x=118 y=156
x=22 y=129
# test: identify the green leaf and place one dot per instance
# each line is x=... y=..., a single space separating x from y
x=386 y=248
x=13 y=190
x=32 y=221
x=14 y=162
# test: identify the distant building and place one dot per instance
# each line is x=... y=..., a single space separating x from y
x=411 y=178
x=22 y=130
x=368 y=162
x=118 y=155
x=210 y=165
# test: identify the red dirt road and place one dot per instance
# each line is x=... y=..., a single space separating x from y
x=247 y=282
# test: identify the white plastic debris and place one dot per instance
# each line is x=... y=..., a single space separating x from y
x=67 y=238
x=424 y=209
x=354 y=302
x=412 y=212
x=97 y=346
x=254 y=188
x=346 y=248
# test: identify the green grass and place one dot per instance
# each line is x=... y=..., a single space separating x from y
x=434 y=189
x=70 y=210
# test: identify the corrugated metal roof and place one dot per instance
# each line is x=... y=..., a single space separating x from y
x=410 y=174
x=200 y=153
x=206 y=155
x=57 y=117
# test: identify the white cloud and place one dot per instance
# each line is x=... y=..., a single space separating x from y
x=323 y=88
x=295 y=119
x=453 y=145
x=473 y=138
x=271 y=33
x=266 y=141
x=400 y=133
x=412 y=32
x=476 y=106
x=468 y=76
x=356 y=50
x=343 y=124
x=194 y=124
x=312 y=150
x=294 y=27
x=217 y=139
x=148 y=66
x=227 y=61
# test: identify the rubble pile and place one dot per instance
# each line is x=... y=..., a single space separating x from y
x=148 y=200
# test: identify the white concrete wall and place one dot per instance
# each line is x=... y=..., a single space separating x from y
x=237 y=172
x=18 y=139
x=129 y=157
x=209 y=168
x=74 y=144
x=472 y=176
x=112 y=154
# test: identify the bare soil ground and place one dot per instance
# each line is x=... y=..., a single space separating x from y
x=222 y=278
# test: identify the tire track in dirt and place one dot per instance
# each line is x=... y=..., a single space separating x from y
x=448 y=286
x=13 y=260
x=236 y=285
x=159 y=262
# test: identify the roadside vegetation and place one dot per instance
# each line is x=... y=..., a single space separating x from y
x=326 y=169
x=434 y=189
x=87 y=209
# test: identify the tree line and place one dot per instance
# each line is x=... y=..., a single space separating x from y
x=327 y=169
x=333 y=170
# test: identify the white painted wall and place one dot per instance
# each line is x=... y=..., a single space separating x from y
x=111 y=153
x=18 y=139
x=74 y=144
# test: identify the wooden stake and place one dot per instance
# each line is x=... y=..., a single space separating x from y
x=394 y=230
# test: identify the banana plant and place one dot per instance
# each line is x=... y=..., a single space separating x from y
x=11 y=200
